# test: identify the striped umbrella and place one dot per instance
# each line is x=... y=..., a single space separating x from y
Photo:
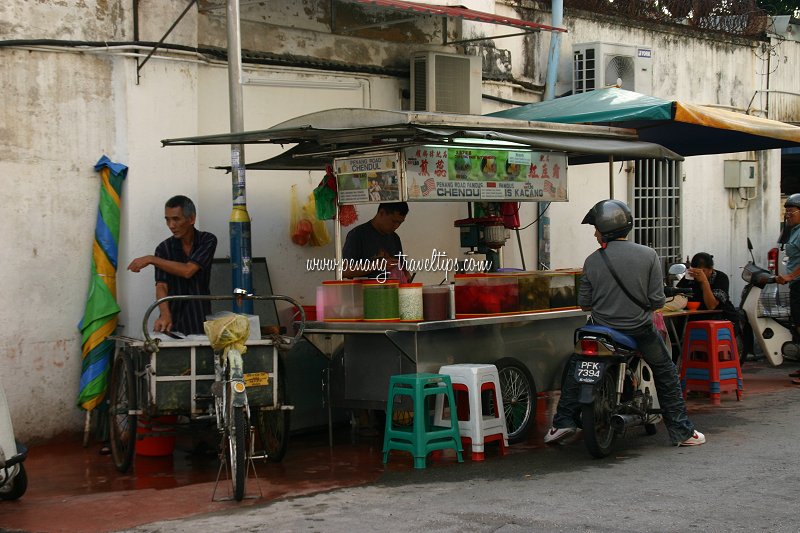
x=100 y=316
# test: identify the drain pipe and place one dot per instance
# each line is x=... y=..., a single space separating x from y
x=543 y=230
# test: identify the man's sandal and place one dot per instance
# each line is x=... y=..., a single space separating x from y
x=795 y=374
x=796 y=381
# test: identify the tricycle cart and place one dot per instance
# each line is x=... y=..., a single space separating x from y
x=152 y=378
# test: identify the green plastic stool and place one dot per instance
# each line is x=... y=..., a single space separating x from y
x=422 y=437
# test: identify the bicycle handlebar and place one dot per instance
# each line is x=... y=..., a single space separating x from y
x=151 y=345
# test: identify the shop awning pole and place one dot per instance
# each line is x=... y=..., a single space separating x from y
x=611 y=176
x=239 y=223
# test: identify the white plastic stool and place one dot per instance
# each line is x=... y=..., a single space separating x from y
x=475 y=427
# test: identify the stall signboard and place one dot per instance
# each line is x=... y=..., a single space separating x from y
x=448 y=173
x=366 y=179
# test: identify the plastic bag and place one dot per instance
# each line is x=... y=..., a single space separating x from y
x=300 y=227
x=319 y=233
x=325 y=196
x=228 y=332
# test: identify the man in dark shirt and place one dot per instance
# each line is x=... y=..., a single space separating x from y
x=182 y=267
x=375 y=244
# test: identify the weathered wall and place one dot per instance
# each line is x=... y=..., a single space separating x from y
x=64 y=109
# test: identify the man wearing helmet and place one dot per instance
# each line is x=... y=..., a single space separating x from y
x=599 y=292
x=792 y=248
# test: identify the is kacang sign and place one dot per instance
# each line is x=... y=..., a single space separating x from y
x=454 y=173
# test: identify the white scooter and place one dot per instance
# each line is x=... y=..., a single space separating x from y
x=767 y=311
x=13 y=479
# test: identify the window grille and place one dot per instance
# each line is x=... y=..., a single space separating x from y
x=657 y=208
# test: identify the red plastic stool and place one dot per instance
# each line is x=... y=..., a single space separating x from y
x=710 y=360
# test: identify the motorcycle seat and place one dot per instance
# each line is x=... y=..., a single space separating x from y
x=626 y=341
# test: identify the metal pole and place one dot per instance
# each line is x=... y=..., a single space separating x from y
x=611 y=176
x=239 y=223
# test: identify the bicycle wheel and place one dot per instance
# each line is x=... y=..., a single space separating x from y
x=237 y=456
x=519 y=398
x=273 y=426
x=122 y=405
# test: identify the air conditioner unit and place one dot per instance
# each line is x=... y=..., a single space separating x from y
x=446 y=83
x=596 y=65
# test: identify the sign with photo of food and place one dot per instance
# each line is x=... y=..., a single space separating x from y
x=449 y=173
x=368 y=179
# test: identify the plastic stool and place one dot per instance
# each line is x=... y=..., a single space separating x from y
x=423 y=437
x=710 y=359
x=476 y=425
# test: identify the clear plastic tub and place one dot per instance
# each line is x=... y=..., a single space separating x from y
x=436 y=302
x=410 y=301
x=342 y=301
x=381 y=301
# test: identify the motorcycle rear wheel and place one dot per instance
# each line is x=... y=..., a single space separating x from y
x=598 y=434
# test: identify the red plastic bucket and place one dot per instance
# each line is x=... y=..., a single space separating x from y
x=148 y=440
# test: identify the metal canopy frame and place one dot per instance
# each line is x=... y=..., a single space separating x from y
x=139 y=66
x=445 y=12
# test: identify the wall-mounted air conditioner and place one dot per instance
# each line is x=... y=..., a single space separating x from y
x=596 y=65
x=446 y=83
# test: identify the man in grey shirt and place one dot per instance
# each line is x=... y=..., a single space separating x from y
x=640 y=270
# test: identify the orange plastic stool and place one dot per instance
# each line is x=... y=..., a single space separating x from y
x=710 y=360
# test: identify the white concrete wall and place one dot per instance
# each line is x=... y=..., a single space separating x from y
x=62 y=110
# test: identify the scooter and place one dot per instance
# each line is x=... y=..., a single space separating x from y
x=13 y=478
x=617 y=389
x=767 y=311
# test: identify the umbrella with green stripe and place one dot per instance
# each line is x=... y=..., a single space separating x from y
x=100 y=315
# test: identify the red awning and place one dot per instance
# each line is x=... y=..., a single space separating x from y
x=458 y=12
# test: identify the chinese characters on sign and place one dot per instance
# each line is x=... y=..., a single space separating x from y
x=368 y=179
x=451 y=173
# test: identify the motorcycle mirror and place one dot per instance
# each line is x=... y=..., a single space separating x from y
x=678 y=269
x=750 y=248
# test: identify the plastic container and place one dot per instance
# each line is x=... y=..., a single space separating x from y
x=563 y=293
x=534 y=291
x=486 y=294
x=343 y=301
x=320 y=301
x=381 y=301
x=436 y=302
x=149 y=443
x=410 y=301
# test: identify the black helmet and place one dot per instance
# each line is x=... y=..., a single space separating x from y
x=612 y=218
x=793 y=201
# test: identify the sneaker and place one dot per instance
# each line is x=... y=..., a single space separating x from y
x=696 y=439
x=557 y=434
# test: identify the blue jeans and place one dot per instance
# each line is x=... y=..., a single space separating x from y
x=665 y=375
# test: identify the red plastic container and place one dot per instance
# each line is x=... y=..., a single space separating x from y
x=149 y=443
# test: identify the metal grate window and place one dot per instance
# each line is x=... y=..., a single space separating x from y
x=657 y=208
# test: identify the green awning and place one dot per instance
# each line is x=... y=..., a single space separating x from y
x=686 y=129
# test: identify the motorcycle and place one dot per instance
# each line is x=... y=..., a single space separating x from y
x=617 y=389
x=13 y=478
x=767 y=310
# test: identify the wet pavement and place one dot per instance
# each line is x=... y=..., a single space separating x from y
x=72 y=488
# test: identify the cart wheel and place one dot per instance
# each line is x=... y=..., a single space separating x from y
x=122 y=403
x=519 y=398
x=16 y=487
x=237 y=436
x=273 y=426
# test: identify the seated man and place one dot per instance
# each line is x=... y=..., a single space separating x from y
x=710 y=288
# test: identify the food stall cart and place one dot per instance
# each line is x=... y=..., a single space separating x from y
x=430 y=157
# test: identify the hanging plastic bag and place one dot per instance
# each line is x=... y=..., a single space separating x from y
x=325 y=196
x=319 y=233
x=300 y=227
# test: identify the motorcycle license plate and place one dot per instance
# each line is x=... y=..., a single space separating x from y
x=588 y=371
